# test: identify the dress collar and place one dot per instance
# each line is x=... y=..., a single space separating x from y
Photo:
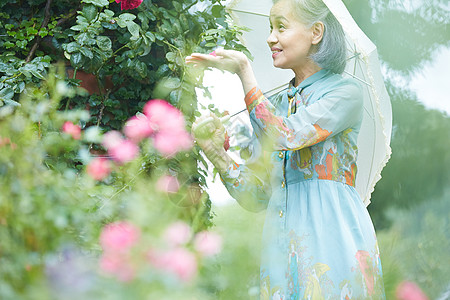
x=310 y=80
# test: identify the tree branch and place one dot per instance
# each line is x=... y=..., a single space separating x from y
x=38 y=38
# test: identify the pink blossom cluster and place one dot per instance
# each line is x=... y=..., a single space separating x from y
x=72 y=129
x=177 y=259
x=161 y=122
x=119 y=239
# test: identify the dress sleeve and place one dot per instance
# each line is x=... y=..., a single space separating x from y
x=335 y=111
x=249 y=183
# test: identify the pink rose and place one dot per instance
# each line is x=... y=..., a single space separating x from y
x=99 y=168
x=164 y=116
x=168 y=143
x=118 y=265
x=119 y=236
x=177 y=234
x=179 y=262
x=138 y=128
x=408 y=290
x=73 y=130
x=124 y=152
x=167 y=184
x=208 y=243
x=128 y=4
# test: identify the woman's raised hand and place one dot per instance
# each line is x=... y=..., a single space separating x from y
x=227 y=60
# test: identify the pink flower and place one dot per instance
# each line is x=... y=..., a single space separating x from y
x=177 y=234
x=99 y=168
x=128 y=4
x=117 y=265
x=73 y=130
x=119 y=236
x=179 y=262
x=112 y=139
x=408 y=290
x=124 y=152
x=213 y=53
x=138 y=128
x=167 y=184
x=168 y=143
x=164 y=116
x=208 y=243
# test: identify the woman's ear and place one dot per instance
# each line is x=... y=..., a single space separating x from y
x=317 y=31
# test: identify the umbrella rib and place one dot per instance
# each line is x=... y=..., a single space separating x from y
x=250 y=13
x=353 y=56
x=356 y=77
x=274 y=89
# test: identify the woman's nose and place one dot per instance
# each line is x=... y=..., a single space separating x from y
x=271 y=39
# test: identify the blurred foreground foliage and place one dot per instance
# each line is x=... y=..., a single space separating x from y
x=52 y=212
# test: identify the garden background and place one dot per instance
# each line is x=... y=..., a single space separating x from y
x=81 y=219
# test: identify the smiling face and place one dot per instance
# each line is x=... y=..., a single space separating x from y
x=290 y=41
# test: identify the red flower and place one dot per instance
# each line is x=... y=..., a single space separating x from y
x=129 y=4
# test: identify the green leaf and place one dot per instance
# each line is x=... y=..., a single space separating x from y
x=8 y=45
x=99 y=3
x=12 y=102
x=89 y=12
x=9 y=26
x=43 y=32
x=76 y=59
x=104 y=43
x=150 y=35
x=133 y=28
x=31 y=31
x=6 y=93
x=37 y=73
x=21 y=44
x=127 y=17
x=79 y=27
x=73 y=47
x=85 y=39
x=217 y=11
x=109 y=13
x=82 y=20
x=210 y=45
x=178 y=7
x=172 y=83
x=86 y=52
x=141 y=68
x=171 y=56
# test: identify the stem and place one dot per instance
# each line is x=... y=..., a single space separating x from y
x=188 y=7
x=69 y=15
x=38 y=38
x=12 y=77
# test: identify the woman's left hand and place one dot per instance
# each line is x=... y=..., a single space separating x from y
x=227 y=60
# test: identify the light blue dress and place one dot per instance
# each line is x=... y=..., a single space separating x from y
x=318 y=238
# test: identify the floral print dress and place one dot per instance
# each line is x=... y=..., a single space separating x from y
x=318 y=238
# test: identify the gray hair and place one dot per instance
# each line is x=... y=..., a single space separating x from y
x=332 y=50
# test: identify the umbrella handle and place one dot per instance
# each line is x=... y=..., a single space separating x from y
x=209 y=120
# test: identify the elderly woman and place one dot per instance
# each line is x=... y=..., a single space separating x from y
x=318 y=238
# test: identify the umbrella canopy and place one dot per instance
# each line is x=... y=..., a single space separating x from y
x=362 y=64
